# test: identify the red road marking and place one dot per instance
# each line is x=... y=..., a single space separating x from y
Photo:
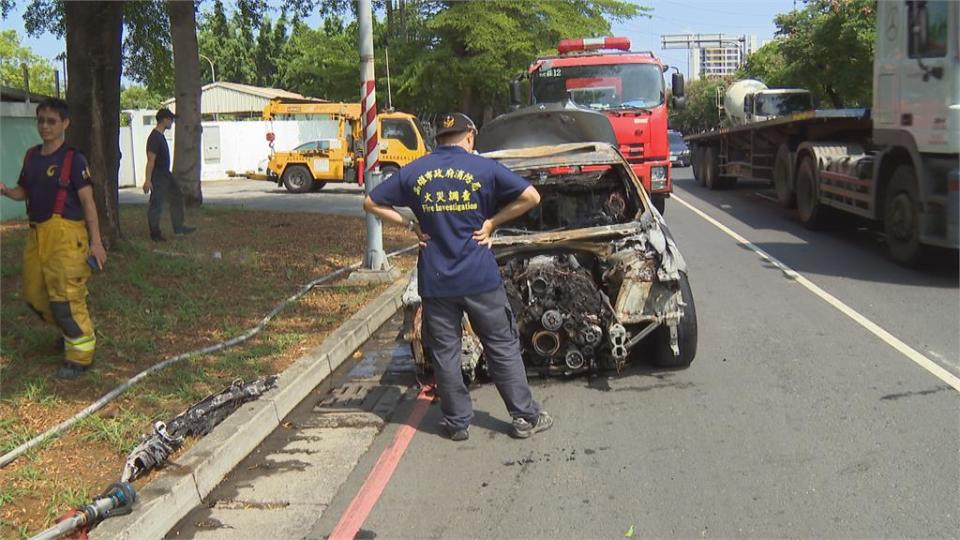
x=361 y=505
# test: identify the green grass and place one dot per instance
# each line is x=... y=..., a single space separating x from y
x=9 y=494
x=13 y=434
x=29 y=474
x=67 y=498
x=122 y=432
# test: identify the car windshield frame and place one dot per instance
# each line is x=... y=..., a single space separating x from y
x=606 y=83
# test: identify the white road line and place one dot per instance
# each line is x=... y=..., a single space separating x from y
x=765 y=196
x=873 y=327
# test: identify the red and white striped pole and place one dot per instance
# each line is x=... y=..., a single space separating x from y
x=368 y=100
x=374 y=258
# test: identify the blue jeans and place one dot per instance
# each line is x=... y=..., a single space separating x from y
x=495 y=326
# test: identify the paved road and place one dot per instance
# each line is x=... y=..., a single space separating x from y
x=794 y=420
x=339 y=199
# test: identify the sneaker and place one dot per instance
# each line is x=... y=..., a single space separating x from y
x=183 y=231
x=157 y=237
x=70 y=371
x=456 y=435
x=523 y=428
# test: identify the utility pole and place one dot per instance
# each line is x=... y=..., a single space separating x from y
x=376 y=268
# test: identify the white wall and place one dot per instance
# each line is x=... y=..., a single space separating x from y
x=243 y=144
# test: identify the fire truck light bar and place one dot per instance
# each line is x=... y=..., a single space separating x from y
x=573 y=45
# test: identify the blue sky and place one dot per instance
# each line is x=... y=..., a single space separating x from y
x=754 y=17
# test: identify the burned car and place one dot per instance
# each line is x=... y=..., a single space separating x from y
x=592 y=274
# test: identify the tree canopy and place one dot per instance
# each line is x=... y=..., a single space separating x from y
x=826 y=47
x=701 y=112
x=13 y=55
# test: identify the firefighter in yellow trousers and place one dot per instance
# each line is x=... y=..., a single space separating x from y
x=59 y=255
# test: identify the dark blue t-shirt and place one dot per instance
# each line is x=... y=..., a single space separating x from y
x=452 y=192
x=157 y=144
x=40 y=177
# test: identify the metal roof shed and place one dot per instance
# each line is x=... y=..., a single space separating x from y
x=238 y=100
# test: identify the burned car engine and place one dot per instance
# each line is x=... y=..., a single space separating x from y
x=593 y=277
x=561 y=313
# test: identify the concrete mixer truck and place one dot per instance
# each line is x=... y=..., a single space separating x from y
x=895 y=164
x=750 y=101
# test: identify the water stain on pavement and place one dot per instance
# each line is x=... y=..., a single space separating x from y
x=894 y=397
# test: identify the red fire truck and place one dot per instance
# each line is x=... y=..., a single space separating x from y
x=627 y=86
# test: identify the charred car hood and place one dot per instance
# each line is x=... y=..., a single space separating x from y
x=545 y=125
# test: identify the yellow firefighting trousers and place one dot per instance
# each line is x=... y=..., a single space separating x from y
x=55 y=274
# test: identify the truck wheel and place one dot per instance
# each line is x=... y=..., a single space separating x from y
x=686 y=333
x=297 y=179
x=695 y=162
x=811 y=212
x=711 y=168
x=783 y=177
x=901 y=217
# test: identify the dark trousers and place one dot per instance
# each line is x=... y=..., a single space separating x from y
x=164 y=188
x=495 y=326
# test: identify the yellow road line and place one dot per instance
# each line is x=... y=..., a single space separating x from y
x=863 y=321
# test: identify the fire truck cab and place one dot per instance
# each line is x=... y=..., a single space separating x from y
x=627 y=87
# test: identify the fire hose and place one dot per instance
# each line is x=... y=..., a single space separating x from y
x=153 y=451
x=116 y=501
x=55 y=431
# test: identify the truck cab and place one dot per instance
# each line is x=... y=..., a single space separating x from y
x=336 y=154
x=776 y=102
x=627 y=87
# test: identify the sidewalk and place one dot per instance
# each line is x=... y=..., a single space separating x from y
x=286 y=484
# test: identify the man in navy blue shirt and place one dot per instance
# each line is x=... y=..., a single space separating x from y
x=160 y=183
x=459 y=198
x=63 y=241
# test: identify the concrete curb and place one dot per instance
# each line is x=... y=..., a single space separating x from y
x=183 y=485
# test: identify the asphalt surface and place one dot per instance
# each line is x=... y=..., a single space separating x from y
x=338 y=199
x=793 y=421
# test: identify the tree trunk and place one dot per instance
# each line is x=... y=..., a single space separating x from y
x=186 y=72
x=94 y=31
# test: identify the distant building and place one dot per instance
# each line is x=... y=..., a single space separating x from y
x=720 y=61
x=221 y=100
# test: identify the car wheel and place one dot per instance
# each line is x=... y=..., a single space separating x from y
x=686 y=333
x=297 y=179
x=812 y=213
x=901 y=218
x=783 y=177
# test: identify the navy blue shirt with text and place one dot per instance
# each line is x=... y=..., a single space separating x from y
x=40 y=177
x=452 y=192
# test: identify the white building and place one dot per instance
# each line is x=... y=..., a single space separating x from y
x=233 y=139
x=720 y=61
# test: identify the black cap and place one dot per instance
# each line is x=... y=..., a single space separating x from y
x=165 y=113
x=454 y=123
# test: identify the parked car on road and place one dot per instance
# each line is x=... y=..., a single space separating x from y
x=593 y=275
x=679 y=153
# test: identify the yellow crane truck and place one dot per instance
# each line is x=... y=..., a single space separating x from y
x=336 y=153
